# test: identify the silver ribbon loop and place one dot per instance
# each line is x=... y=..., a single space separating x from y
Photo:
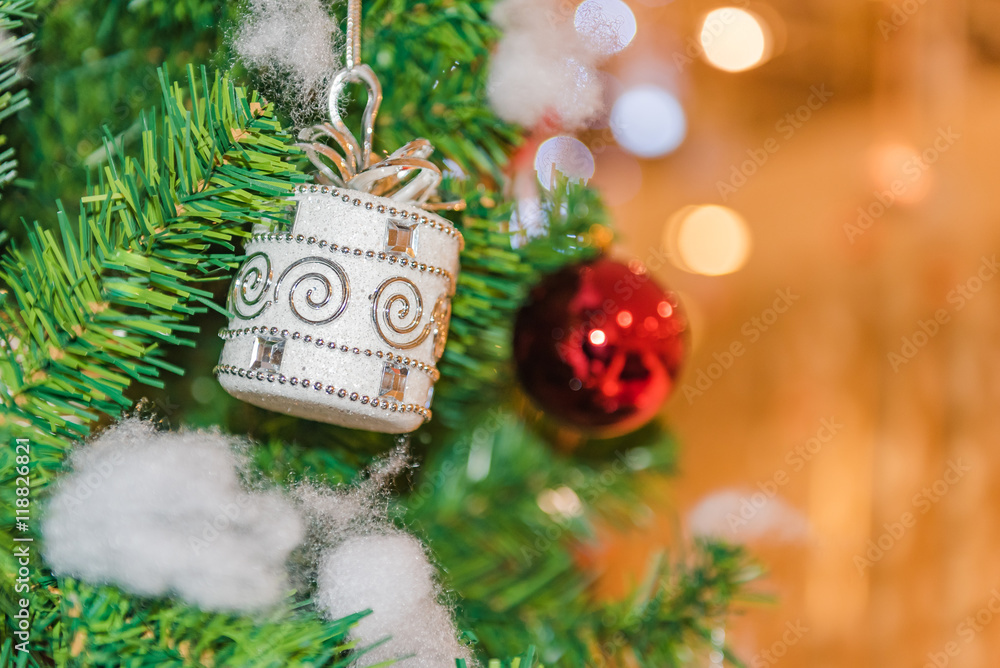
x=357 y=74
x=406 y=175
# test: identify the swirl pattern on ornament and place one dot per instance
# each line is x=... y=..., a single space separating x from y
x=402 y=295
x=307 y=276
x=250 y=286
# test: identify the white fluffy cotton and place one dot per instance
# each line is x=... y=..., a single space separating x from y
x=295 y=47
x=390 y=575
x=161 y=513
x=742 y=516
x=360 y=561
x=158 y=513
x=542 y=69
x=333 y=515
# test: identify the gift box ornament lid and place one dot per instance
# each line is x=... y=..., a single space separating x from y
x=343 y=316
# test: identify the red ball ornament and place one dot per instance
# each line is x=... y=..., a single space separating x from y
x=599 y=345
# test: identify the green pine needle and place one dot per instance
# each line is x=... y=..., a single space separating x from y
x=97 y=302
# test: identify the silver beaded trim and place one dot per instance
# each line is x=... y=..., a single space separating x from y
x=388 y=355
x=320 y=386
x=381 y=256
x=415 y=216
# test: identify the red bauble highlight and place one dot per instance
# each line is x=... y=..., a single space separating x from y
x=599 y=345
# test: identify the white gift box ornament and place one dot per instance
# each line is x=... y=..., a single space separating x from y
x=343 y=317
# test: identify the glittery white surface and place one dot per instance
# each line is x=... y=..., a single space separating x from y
x=328 y=218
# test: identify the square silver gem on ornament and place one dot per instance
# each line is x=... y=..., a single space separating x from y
x=267 y=353
x=393 y=381
x=400 y=238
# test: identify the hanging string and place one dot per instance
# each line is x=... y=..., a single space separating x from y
x=341 y=160
x=352 y=50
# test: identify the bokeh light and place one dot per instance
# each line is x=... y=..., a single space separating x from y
x=734 y=39
x=566 y=155
x=648 y=121
x=710 y=240
x=561 y=502
x=901 y=174
x=608 y=26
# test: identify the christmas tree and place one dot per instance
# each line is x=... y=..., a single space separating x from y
x=139 y=156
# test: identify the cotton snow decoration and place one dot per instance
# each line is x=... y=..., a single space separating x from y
x=542 y=70
x=740 y=517
x=162 y=513
x=365 y=563
x=156 y=513
x=295 y=45
x=391 y=575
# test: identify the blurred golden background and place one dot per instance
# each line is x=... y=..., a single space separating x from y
x=841 y=407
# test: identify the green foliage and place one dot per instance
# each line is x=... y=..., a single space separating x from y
x=89 y=307
x=87 y=312
x=432 y=59
x=78 y=624
x=476 y=368
x=479 y=507
x=678 y=608
x=100 y=303
x=13 y=50
x=94 y=65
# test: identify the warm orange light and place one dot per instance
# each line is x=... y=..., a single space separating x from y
x=900 y=174
x=625 y=319
x=597 y=337
x=734 y=39
x=710 y=240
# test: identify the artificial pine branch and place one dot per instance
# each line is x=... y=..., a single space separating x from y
x=86 y=313
x=516 y=569
x=476 y=369
x=79 y=624
x=132 y=263
x=13 y=50
x=89 y=307
x=94 y=65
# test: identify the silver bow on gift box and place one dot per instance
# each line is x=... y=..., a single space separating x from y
x=406 y=175
x=342 y=317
